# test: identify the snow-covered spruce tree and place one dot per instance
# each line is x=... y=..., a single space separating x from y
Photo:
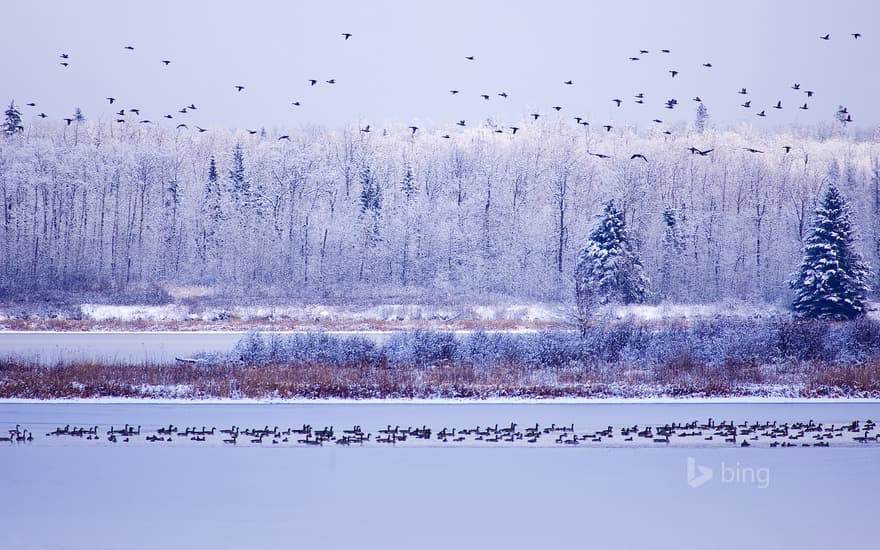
x=702 y=117
x=608 y=268
x=831 y=282
x=12 y=125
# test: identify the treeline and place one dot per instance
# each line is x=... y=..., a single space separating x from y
x=94 y=206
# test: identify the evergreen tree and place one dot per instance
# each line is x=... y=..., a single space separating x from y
x=408 y=184
x=702 y=117
x=608 y=268
x=672 y=263
x=831 y=282
x=78 y=116
x=13 y=120
x=241 y=189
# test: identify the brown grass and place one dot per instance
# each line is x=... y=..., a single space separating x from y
x=681 y=377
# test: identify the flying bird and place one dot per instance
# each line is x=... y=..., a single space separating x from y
x=751 y=150
x=129 y=47
x=568 y=82
x=295 y=103
x=42 y=115
x=284 y=137
x=251 y=132
x=182 y=125
x=796 y=86
x=331 y=81
x=503 y=94
x=64 y=56
x=121 y=112
x=514 y=129
x=742 y=91
x=707 y=65
x=633 y=58
x=809 y=93
x=31 y=104
x=557 y=107
x=762 y=113
x=346 y=35
x=446 y=136
x=312 y=81
x=460 y=123
x=366 y=129
x=698 y=99
x=453 y=92
x=608 y=127
x=534 y=116
x=166 y=62
x=747 y=104
x=168 y=116
x=200 y=129
x=601 y=156
x=643 y=52
x=413 y=129
x=182 y=111
x=658 y=121
x=673 y=73
x=192 y=107
x=856 y=35
x=136 y=111
x=787 y=148
x=638 y=156
x=778 y=105
x=64 y=64
x=111 y=100
x=469 y=57
x=618 y=101
x=664 y=51
x=239 y=88
x=695 y=151
x=485 y=96
x=120 y=120
x=826 y=37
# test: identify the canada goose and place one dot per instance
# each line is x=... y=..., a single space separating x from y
x=557 y=108
x=752 y=150
x=346 y=35
x=64 y=64
x=42 y=115
x=568 y=82
x=485 y=96
x=638 y=156
x=514 y=129
x=762 y=114
x=331 y=81
x=803 y=107
x=778 y=105
x=618 y=101
x=674 y=73
x=856 y=35
x=295 y=103
x=503 y=94
x=469 y=57
x=129 y=47
x=312 y=81
x=239 y=88
x=707 y=65
x=453 y=92
x=633 y=58
x=826 y=37
x=166 y=62
x=535 y=116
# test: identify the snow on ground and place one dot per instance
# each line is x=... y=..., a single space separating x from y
x=81 y=496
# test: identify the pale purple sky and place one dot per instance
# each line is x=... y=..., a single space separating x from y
x=405 y=56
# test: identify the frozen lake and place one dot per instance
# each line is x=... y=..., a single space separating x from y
x=77 y=496
x=125 y=347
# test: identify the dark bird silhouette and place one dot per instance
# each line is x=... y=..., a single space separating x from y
x=787 y=148
x=751 y=150
x=568 y=82
x=608 y=127
x=182 y=110
x=695 y=151
x=634 y=58
x=121 y=112
x=200 y=129
x=826 y=37
x=601 y=156
x=638 y=156
x=331 y=81
x=673 y=73
x=778 y=105
x=469 y=57
x=534 y=116
x=640 y=101
x=312 y=81
x=856 y=35
x=366 y=129
x=453 y=92
x=698 y=99
x=111 y=100
x=166 y=62
x=803 y=107
x=747 y=104
x=809 y=93
x=182 y=125
x=585 y=123
x=708 y=65
x=664 y=51
x=295 y=103
x=42 y=115
x=557 y=108
x=848 y=118
x=251 y=132
x=643 y=52
x=64 y=64
x=414 y=129
x=446 y=136
x=742 y=91
x=640 y=95
x=284 y=137
x=31 y=104
x=129 y=47
x=146 y=121
x=168 y=116
x=485 y=96
x=192 y=107
x=460 y=123
x=618 y=101
x=658 y=121
x=120 y=120
x=499 y=131
x=346 y=35
x=503 y=94
x=514 y=129
x=64 y=56
x=239 y=88
x=136 y=111
x=796 y=86
x=762 y=113
x=578 y=119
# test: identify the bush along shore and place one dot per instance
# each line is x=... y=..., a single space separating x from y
x=724 y=357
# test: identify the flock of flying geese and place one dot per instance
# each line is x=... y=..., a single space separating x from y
x=709 y=433
x=671 y=103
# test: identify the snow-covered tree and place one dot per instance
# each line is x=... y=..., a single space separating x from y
x=12 y=125
x=831 y=282
x=672 y=262
x=702 y=117
x=609 y=269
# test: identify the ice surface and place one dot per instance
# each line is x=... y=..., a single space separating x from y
x=94 y=497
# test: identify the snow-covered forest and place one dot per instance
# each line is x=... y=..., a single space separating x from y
x=372 y=215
